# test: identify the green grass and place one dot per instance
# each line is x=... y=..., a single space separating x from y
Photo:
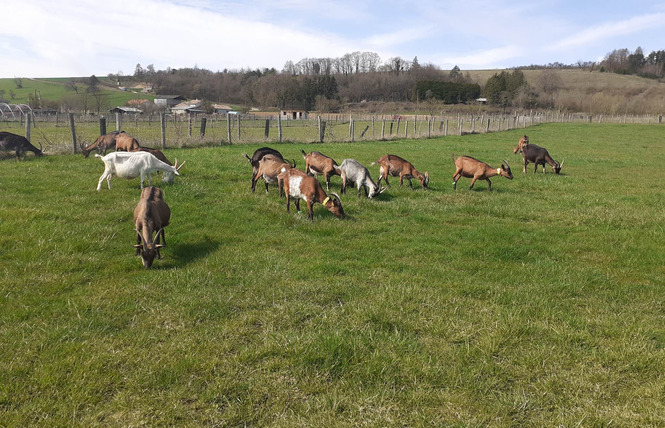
x=537 y=304
x=54 y=90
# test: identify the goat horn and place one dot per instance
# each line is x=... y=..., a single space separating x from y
x=562 y=163
x=506 y=162
x=337 y=196
x=154 y=241
x=176 y=166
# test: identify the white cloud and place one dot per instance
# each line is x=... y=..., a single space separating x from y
x=610 y=30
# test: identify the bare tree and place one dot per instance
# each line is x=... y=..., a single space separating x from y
x=549 y=82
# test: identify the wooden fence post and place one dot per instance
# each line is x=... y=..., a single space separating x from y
x=238 y=120
x=118 y=121
x=266 y=132
x=72 y=128
x=162 y=125
x=102 y=125
x=189 y=124
x=279 y=126
x=228 y=127
x=204 y=123
x=27 y=126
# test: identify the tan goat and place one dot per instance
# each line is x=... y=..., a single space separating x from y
x=151 y=215
x=476 y=170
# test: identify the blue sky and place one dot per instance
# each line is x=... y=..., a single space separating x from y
x=66 y=38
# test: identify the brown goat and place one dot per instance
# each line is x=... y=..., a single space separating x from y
x=395 y=166
x=299 y=185
x=317 y=163
x=151 y=215
x=520 y=145
x=127 y=143
x=269 y=168
x=102 y=144
x=476 y=170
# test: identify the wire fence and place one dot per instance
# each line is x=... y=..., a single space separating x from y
x=64 y=133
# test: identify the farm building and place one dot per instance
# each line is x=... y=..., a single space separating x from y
x=123 y=110
x=192 y=106
x=294 y=114
x=166 y=101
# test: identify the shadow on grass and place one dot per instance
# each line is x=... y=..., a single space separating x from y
x=186 y=253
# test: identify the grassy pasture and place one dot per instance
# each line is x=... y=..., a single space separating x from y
x=537 y=304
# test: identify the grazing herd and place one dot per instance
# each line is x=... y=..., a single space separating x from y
x=152 y=214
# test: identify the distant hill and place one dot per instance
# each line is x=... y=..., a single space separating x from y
x=580 y=90
x=55 y=90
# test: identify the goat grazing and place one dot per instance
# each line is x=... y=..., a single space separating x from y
x=395 y=166
x=524 y=141
x=270 y=166
x=476 y=170
x=257 y=156
x=354 y=172
x=299 y=185
x=539 y=156
x=19 y=143
x=102 y=144
x=131 y=165
x=168 y=177
x=151 y=215
x=126 y=142
x=317 y=163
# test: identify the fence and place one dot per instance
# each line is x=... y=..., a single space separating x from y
x=66 y=132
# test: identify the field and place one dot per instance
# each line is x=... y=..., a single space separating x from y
x=54 y=90
x=540 y=303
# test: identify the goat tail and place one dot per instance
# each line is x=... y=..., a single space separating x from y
x=248 y=158
x=303 y=152
x=372 y=164
x=97 y=155
x=453 y=156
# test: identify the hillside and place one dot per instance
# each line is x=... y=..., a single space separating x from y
x=579 y=90
x=55 y=90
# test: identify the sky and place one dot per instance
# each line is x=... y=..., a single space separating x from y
x=81 y=38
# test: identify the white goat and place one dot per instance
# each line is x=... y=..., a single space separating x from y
x=131 y=165
x=354 y=172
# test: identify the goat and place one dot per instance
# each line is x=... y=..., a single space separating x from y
x=257 y=156
x=524 y=141
x=353 y=171
x=168 y=177
x=131 y=165
x=126 y=142
x=151 y=215
x=19 y=143
x=539 y=156
x=299 y=185
x=395 y=166
x=269 y=168
x=317 y=163
x=102 y=144
x=476 y=170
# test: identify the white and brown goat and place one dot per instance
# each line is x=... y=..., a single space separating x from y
x=476 y=170
x=269 y=168
x=316 y=163
x=299 y=185
x=395 y=166
x=151 y=216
